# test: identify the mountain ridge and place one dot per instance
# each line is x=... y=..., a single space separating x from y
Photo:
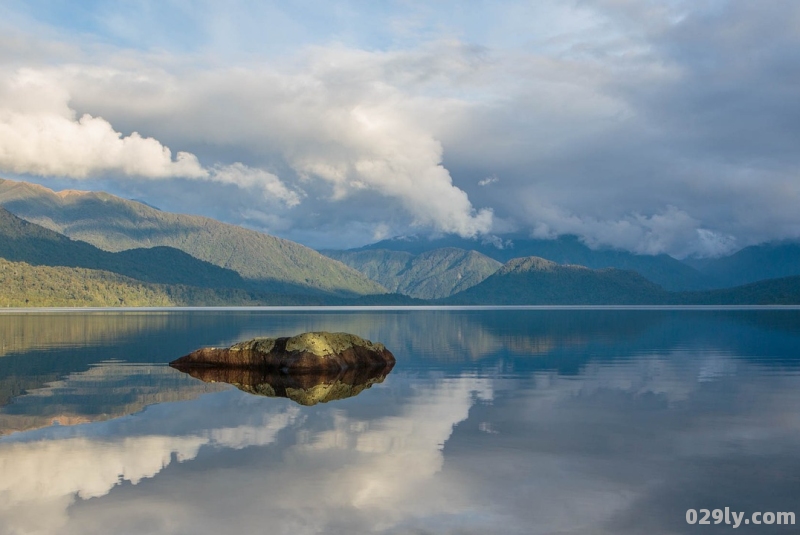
x=661 y=269
x=538 y=281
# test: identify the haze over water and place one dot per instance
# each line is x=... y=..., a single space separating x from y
x=492 y=421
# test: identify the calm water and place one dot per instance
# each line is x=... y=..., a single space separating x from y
x=492 y=421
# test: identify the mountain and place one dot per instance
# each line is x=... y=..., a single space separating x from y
x=22 y=241
x=429 y=275
x=536 y=281
x=24 y=285
x=114 y=224
x=568 y=250
x=751 y=264
x=39 y=267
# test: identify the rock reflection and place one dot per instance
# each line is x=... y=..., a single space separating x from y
x=306 y=389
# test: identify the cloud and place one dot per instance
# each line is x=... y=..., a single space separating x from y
x=246 y=177
x=391 y=459
x=43 y=478
x=41 y=135
x=653 y=127
x=336 y=119
x=670 y=230
x=488 y=180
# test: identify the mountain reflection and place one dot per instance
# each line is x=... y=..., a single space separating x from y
x=306 y=389
x=105 y=391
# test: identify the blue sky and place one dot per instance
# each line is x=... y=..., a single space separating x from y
x=647 y=126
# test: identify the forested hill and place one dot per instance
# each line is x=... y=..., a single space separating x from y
x=536 y=281
x=111 y=223
x=21 y=241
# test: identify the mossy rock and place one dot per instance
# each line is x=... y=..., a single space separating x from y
x=304 y=353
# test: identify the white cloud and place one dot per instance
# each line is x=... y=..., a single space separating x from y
x=41 y=135
x=248 y=177
x=343 y=122
x=668 y=231
x=613 y=111
x=41 y=479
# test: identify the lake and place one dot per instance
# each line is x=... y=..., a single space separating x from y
x=519 y=421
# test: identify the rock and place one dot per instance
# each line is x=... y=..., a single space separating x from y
x=304 y=388
x=314 y=352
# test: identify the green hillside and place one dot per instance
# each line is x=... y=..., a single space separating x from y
x=22 y=241
x=24 y=285
x=536 y=281
x=430 y=275
x=268 y=263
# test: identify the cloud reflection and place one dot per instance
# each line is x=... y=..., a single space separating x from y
x=626 y=443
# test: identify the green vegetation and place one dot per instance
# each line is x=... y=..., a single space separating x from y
x=43 y=286
x=23 y=285
x=269 y=264
x=429 y=275
x=21 y=241
x=42 y=268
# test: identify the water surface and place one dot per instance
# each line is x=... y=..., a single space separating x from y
x=492 y=421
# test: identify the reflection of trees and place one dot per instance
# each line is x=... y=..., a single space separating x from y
x=452 y=336
x=23 y=332
x=42 y=348
x=101 y=393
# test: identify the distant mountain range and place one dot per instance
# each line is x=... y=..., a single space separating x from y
x=536 y=281
x=95 y=249
x=429 y=275
x=662 y=269
x=751 y=264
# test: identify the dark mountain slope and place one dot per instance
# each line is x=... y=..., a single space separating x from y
x=782 y=291
x=751 y=264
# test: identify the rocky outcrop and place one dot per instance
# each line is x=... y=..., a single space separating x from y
x=314 y=352
x=304 y=388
